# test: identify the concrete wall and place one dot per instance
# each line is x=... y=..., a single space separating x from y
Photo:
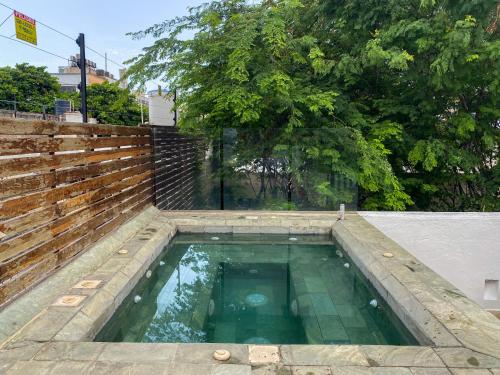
x=464 y=248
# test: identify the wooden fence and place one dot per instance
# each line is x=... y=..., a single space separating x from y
x=63 y=187
x=175 y=159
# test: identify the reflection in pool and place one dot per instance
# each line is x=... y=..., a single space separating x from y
x=255 y=289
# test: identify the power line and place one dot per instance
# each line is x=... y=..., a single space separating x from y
x=67 y=36
x=105 y=57
x=38 y=48
x=5 y=20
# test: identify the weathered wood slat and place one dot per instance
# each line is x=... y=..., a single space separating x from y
x=20 y=127
x=63 y=187
x=16 y=264
x=25 y=280
x=17 y=166
x=39 y=216
x=21 y=185
x=51 y=229
x=34 y=144
x=21 y=205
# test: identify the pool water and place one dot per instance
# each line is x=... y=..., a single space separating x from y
x=255 y=289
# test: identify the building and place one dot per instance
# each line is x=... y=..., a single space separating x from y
x=69 y=76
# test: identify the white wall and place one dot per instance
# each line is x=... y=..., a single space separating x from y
x=464 y=248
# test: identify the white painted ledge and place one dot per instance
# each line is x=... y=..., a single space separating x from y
x=464 y=248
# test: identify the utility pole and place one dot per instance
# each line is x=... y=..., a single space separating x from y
x=83 y=73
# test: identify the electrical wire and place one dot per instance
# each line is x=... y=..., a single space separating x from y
x=5 y=20
x=32 y=46
x=66 y=36
x=69 y=37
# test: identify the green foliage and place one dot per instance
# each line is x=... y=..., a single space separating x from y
x=408 y=91
x=110 y=104
x=33 y=87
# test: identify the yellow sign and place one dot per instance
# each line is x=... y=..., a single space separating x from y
x=25 y=28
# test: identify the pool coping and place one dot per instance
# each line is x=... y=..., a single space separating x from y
x=454 y=331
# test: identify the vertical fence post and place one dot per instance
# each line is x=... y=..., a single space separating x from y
x=221 y=168
x=152 y=135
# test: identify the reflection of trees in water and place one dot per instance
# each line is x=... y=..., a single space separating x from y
x=175 y=320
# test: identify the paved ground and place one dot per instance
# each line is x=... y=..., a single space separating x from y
x=196 y=359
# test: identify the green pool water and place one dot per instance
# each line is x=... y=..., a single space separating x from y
x=255 y=289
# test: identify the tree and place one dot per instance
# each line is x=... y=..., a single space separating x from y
x=110 y=104
x=427 y=75
x=32 y=87
x=408 y=91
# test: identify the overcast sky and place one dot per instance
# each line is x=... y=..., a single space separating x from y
x=104 y=22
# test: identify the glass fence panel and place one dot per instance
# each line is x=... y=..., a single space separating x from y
x=269 y=169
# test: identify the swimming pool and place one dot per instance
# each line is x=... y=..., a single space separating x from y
x=255 y=289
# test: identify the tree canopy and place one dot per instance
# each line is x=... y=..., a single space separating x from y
x=31 y=86
x=111 y=104
x=412 y=86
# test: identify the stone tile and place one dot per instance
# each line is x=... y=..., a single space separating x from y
x=31 y=368
x=110 y=368
x=351 y=370
x=119 y=286
x=20 y=351
x=239 y=229
x=390 y=371
x=231 y=370
x=113 y=265
x=469 y=371
x=46 y=325
x=203 y=353
x=275 y=369
x=480 y=340
x=218 y=229
x=311 y=370
x=332 y=329
x=70 y=367
x=462 y=357
x=323 y=355
x=156 y=368
x=191 y=228
x=429 y=371
x=189 y=369
x=80 y=328
x=322 y=304
x=70 y=351
x=99 y=308
x=4 y=365
x=495 y=371
x=260 y=354
x=132 y=268
x=404 y=356
x=137 y=352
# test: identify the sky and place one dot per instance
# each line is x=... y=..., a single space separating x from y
x=104 y=23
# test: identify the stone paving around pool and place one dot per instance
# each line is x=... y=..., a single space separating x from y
x=38 y=337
